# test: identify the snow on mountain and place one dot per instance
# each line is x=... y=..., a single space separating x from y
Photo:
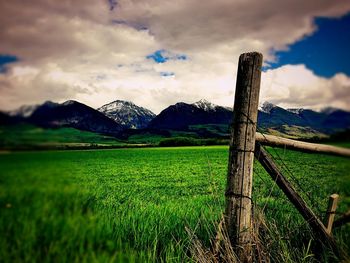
x=69 y=102
x=205 y=105
x=296 y=111
x=128 y=114
x=266 y=107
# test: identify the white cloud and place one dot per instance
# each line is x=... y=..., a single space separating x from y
x=196 y=24
x=294 y=86
x=72 y=50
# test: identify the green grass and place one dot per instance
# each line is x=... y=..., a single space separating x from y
x=296 y=132
x=214 y=129
x=25 y=135
x=132 y=205
x=145 y=138
x=340 y=144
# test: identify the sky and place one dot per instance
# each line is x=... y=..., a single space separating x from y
x=156 y=53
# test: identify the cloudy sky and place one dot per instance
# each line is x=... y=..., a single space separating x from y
x=156 y=52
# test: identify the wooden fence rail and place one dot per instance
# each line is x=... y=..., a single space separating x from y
x=271 y=140
x=317 y=226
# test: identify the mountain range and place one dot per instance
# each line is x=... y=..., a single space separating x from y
x=181 y=115
x=328 y=120
x=68 y=114
x=119 y=117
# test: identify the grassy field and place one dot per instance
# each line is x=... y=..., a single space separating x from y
x=132 y=205
x=29 y=136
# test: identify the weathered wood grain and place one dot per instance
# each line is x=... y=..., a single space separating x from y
x=241 y=155
x=272 y=140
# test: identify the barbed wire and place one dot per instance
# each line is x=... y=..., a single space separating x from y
x=286 y=169
x=283 y=166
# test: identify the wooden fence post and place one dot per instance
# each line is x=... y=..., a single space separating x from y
x=241 y=155
x=332 y=206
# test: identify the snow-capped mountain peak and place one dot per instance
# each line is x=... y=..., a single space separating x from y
x=296 y=111
x=127 y=113
x=266 y=107
x=205 y=105
x=117 y=105
x=69 y=102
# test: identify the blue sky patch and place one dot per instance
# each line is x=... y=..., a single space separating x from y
x=162 y=56
x=6 y=59
x=158 y=57
x=326 y=52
